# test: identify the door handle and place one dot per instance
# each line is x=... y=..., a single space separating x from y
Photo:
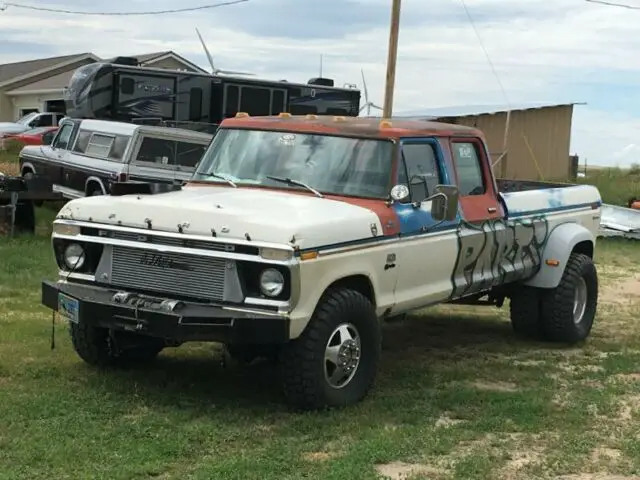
x=492 y=209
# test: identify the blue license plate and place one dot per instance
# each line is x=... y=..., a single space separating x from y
x=68 y=307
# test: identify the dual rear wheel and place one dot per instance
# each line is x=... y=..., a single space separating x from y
x=563 y=314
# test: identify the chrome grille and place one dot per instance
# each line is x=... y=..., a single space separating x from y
x=169 y=273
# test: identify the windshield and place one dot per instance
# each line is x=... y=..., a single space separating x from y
x=329 y=164
x=27 y=118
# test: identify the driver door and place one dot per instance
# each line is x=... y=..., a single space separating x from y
x=427 y=250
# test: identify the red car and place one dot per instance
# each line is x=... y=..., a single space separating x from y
x=35 y=136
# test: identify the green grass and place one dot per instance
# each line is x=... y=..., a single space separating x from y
x=457 y=397
x=616 y=186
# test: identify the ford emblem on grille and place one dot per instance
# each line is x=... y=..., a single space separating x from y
x=160 y=261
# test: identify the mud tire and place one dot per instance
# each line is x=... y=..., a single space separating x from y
x=94 y=345
x=525 y=310
x=302 y=361
x=558 y=303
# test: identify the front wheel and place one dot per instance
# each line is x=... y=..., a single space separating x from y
x=334 y=362
x=568 y=311
x=96 y=346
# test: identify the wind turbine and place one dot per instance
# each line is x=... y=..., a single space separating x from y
x=214 y=70
x=368 y=104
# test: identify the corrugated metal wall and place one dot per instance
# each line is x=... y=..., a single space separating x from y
x=539 y=136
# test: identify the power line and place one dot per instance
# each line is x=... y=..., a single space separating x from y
x=495 y=73
x=612 y=4
x=6 y=5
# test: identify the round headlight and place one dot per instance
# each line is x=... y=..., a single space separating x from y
x=271 y=282
x=74 y=256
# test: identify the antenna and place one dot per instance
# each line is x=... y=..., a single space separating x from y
x=214 y=70
x=367 y=104
x=320 y=66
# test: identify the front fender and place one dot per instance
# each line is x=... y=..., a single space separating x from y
x=562 y=240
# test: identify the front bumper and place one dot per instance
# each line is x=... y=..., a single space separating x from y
x=164 y=318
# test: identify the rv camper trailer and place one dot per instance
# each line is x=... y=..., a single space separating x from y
x=126 y=92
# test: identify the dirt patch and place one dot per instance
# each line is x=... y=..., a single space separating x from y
x=9 y=168
x=627 y=377
x=404 y=471
x=519 y=460
x=595 y=476
x=446 y=421
x=629 y=407
x=605 y=455
x=319 y=456
x=495 y=386
x=621 y=292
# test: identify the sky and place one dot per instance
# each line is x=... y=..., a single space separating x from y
x=544 y=51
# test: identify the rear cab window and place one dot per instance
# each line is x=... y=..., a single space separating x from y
x=170 y=153
x=468 y=162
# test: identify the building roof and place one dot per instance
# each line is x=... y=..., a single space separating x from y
x=56 y=82
x=474 y=110
x=357 y=126
x=9 y=71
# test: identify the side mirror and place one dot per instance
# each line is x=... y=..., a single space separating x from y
x=444 y=203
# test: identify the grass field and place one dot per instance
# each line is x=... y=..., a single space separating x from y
x=457 y=397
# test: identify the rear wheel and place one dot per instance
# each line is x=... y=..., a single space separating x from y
x=569 y=310
x=525 y=311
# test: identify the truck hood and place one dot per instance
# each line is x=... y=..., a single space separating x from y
x=235 y=213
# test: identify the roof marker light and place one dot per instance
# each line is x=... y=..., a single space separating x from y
x=310 y=116
x=242 y=114
x=284 y=115
x=339 y=119
x=385 y=124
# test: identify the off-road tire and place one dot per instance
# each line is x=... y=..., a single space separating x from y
x=28 y=175
x=94 y=346
x=557 y=303
x=525 y=311
x=302 y=360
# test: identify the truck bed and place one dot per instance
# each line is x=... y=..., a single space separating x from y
x=510 y=186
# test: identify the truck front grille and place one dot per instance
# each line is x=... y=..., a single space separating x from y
x=169 y=273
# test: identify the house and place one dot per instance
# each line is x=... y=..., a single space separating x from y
x=38 y=85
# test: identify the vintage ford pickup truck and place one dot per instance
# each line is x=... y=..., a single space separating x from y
x=298 y=235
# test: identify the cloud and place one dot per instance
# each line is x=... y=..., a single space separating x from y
x=543 y=51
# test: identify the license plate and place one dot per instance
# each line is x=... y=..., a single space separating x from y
x=68 y=307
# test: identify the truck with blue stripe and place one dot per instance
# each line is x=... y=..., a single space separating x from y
x=298 y=236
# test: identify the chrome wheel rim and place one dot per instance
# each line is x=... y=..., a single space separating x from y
x=342 y=355
x=579 y=301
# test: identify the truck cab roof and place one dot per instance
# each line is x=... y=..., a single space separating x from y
x=351 y=126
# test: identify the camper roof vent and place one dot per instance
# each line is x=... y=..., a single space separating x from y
x=126 y=61
x=327 y=82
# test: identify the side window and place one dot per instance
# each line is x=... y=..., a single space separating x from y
x=156 y=150
x=469 y=168
x=64 y=134
x=255 y=101
x=99 y=145
x=420 y=170
x=47 y=138
x=44 y=120
x=231 y=98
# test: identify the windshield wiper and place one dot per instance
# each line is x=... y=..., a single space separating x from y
x=221 y=177
x=289 y=181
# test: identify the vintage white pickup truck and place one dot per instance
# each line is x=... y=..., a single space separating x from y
x=299 y=235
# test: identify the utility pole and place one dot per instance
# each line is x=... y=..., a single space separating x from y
x=391 y=59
